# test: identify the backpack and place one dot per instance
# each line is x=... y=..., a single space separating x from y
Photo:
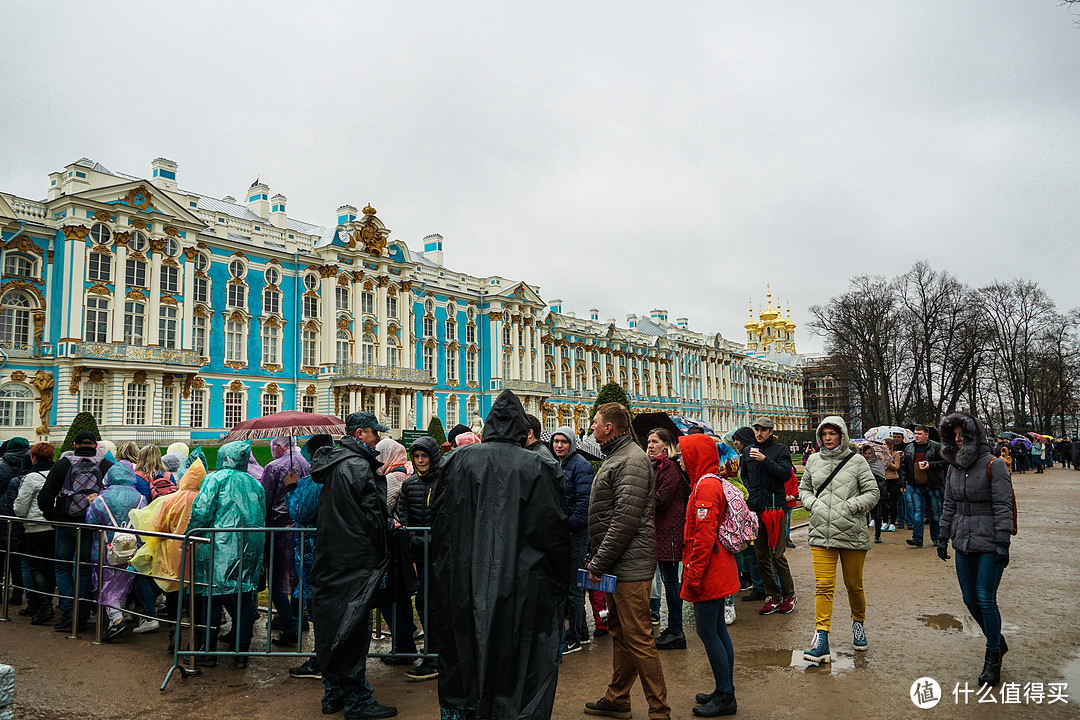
x=123 y=545
x=83 y=479
x=739 y=525
x=990 y=479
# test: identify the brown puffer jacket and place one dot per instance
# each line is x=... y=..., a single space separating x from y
x=621 y=530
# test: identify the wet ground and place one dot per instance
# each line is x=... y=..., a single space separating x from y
x=917 y=627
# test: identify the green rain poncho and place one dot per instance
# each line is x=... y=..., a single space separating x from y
x=230 y=498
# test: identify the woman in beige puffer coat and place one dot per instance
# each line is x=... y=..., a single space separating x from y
x=837 y=529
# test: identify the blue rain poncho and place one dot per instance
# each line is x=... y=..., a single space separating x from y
x=230 y=498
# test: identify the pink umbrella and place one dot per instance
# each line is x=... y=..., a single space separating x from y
x=288 y=423
x=880 y=450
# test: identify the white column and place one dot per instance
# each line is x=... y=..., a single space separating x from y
x=116 y=329
x=515 y=373
x=380 y=314
x=187 y=328
x=328 y=315
x=408 y=348
x=154 y=304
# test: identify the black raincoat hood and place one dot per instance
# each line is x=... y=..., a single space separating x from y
x=428 y=445
x=501 y=566
x=506 y=422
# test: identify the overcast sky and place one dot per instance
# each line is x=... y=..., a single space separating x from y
x=620 y=155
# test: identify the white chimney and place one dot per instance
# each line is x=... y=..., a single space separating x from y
x=682 y=322
x=433 y=248
x=163 y=173
x=277 y=210
x=594 y=314
x=258 y=199
x=555 y=306
x=631 y=321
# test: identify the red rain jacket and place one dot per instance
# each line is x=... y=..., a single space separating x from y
x=709 y=571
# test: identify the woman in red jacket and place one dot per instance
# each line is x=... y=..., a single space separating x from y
x=709 y=571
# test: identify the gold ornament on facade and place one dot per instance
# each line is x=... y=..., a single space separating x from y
x=18 y=376
x=382 y=281
x=139 y=377
x=273 y=321
x=342 y=322
x=328 y=271
x=157 y=245
x=44 y=382
x=310 y=390
x=171 y=231
x=136 y=295
x=22 y=244
x=202 y=311
x=170 y=262
x=272 y=388
x=369 y=286
x=103 y=249
x=102 y=216
x=238 y=316
x=39 y=330
x=75 y=232
x=494 y=315
x=138 y=224
x=121 y=238
x=270 y=368
x=312 y=325
x=406 y=286
x=236 y=365
x=236 y=386
x=391 y=291
x=76 y=378
x=343 y=280
x=136 y=255
x=97 y=376
x=369 y=326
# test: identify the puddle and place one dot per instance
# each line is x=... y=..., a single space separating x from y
x=942 y=622
x=1071 y=672
x=841 y=662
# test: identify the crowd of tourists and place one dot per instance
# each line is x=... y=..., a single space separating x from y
x=507 y=534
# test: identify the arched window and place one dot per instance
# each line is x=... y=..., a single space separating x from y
x=472 y=411
x=15 y=319
x=97 y=319
x=137 y=242
x=134 y=322
x=18 y=265
x=167 y=327
x=452 y=417
x=308 y=348
x=507 y=336
x=16 y=405
x=344 y=348
x=549 y=371
x=367 y=302
x=367 y=349
x=392 y=352
x=100 y=234
x=580 y=380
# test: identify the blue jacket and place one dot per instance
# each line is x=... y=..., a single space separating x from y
x=579 y=477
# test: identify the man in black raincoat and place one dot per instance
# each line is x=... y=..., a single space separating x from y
x=501 y=541
x=351 y=558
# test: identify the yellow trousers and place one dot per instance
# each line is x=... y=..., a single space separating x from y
x=825 y=579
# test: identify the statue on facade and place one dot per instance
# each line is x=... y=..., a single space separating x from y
x=44 y=382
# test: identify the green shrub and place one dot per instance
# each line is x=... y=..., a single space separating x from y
x=612 y=392
x=435 y=430
x=82 y=421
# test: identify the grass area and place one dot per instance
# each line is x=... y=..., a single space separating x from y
x=799 y=515
x=261 y=452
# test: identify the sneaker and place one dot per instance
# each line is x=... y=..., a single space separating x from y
x=426 y=670
x=146 y=626
x=599 y=632
x=394 y=660
x=585 y=640
x=788 y=605
x=892 y=527
x=308 y=670
x=603 y=707
x=858 y=635
x=769 y=607
x=370 y=711
x=115 y=630
x=746 y=584
x=655 y=618
x=570 y=646
x=913 y=542
x=754 y=596
x=819 y=652
x=729 y=617
x=64 y=622
x=877 y=539
x=791 y=545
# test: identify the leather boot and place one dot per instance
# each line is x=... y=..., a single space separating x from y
x=720 y=704
x=991 y=673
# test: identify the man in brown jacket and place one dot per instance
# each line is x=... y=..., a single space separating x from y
x=623 y=539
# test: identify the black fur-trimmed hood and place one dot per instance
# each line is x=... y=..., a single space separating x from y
x=974 y=440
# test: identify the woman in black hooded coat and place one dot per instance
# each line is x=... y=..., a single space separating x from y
x=978 y=516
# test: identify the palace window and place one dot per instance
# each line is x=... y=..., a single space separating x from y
x=470 y=334
x=272 y=276
x=452 y=416
x=92 y=400
x=167 y=327
x=311 y=307
x=271 y=403
x=344 y=348
x=308 y=347
x=271 y=299
x=392 y=352
x=307 y=404
x=472 y=411
x=97 y=319
x=271 y=337
x=341 y=298
x=367 y=349
x=99 y=267
x=138 y=242
x=201 y=262
x=168 y=405
x=172 y=248
x=429 y=360
x=311 y=281
x=234 y=342
x=551 y=420
x=451 y=330
x=16 y=405
x=429 y=326
x=134 y=319
x=100 y=234
x=135 y=276
x=135 y=404
x=506 y=366
x=19 y=265
x=234 y=408
x=202 y=290
x=367 y=302
x=508 y=338
x=237 y=295
x=391 y=306
x=170 y=279
x=368 y=401
x=15 y=319
x=198 y=337
x=395 y=411
x=237 y=269
x=198 y=409
x=470 y=367
x=451 y=365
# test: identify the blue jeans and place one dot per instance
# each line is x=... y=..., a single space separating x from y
x=923 y=499
x=709 y=619
x=578 y=629
x=669 y=574
x=751 y=562
x=65 y=573
x=979 y=576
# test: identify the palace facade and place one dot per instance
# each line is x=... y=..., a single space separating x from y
x=172 y=314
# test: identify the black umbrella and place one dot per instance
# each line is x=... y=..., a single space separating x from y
x=587 y=446
x=647 y=422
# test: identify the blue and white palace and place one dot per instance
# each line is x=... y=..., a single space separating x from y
x=171 y=314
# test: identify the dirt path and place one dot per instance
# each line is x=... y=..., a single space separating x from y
x=917 y=626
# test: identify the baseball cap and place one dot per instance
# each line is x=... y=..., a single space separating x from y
x=764 y=423
x=355 y=421
x=86 y=436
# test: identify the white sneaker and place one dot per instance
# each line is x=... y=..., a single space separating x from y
x=146 y=626
x=729 y=614
x=892 y=527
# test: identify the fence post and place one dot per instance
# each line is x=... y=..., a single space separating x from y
x=75 y=611
x=7 y=572
x=101 y=582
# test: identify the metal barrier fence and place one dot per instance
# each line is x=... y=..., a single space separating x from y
x=195 y=596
